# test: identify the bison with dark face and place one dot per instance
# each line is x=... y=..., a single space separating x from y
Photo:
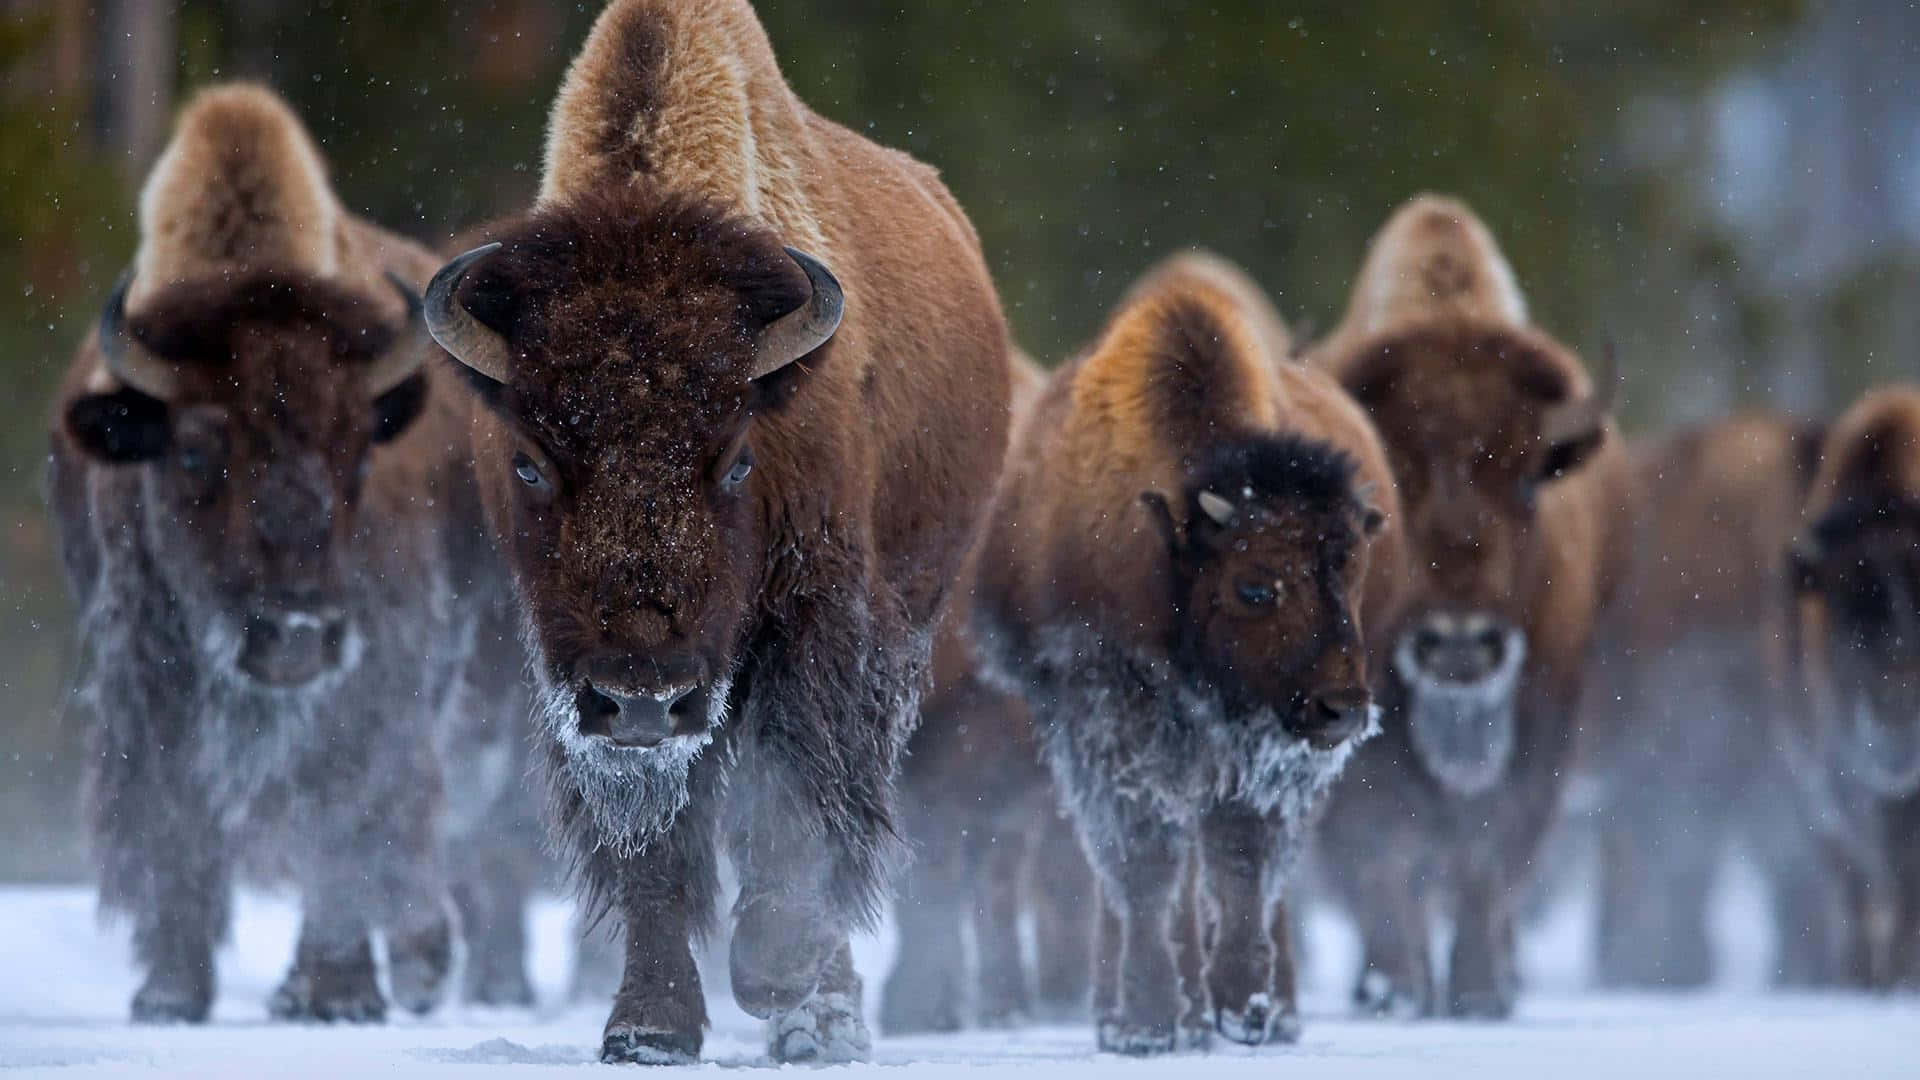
x=1187 y=544
x=1510 y=478
x=747 y=387
x=1853 y=734
x=254 y=481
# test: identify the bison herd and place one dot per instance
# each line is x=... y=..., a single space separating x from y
x=706 y=512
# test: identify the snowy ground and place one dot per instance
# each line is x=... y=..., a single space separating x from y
x=65 y=982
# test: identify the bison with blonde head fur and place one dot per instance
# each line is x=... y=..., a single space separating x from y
x=1186 y=549
x=747 y=387
x=1511 y=478
x=264 y=509
x=1853 y=733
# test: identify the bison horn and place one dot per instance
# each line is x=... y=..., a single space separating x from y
x=469 y=340
x=401 y=360
x=798 y=333
x=1583 y=418
x=127 y=359
x=1215 y=507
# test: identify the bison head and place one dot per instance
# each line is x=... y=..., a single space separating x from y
x=1862 y=565
x=1266 y=581
x=634 y=354
x=1478 y=422
x=252 y=408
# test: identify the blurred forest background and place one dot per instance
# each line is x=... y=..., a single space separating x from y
x=1731 y=190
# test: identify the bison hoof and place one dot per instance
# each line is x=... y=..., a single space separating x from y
x=1116 y=1036
x=825 y=1030
x=306 y=999
x=1246 y=1025
x=163 y=1003
x=906 y=1009
x=1379 y=996
x=500 y=989
x=1481 y=1005
x=625 y=1044
x=418 y=968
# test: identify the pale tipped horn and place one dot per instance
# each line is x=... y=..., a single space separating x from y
x=126 y=358
x=1584 y=417
x=469 y=340
x=403 y=357
x=799 y=332
x=1216 y=507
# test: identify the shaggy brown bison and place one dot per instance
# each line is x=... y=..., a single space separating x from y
x=1854 y=740
x=1686 y=683
x=258 y=490
x=1512 y=481
x=747 y=387
x=1187 y=542
x=980 y=812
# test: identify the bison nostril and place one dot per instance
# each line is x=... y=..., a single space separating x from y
x=1326 y=712
x=596 y=711
x=683 y=708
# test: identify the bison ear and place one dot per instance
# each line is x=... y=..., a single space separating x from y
x=1568 y=455
x=119 y=428
x=397 y=409
x=1161 y=514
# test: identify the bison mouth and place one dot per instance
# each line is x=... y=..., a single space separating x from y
x=1885 y=748
x=1461 y=678
x=292 y=649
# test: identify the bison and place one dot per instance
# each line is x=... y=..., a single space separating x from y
x=259 y=490
x=1853 y=732
x=1189 y=538
x=1690 y=668
x=1511 y=481
x=989 y=846
x=746 y=385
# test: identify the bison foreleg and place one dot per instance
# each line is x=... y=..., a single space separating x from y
x=1483 y=977
x=923 y=991
x=333 y=977
x=178 y=920
x=1060 y=891
x=1240 y=960
x=1140 y=874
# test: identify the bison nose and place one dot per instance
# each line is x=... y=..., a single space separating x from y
x=292 y=647
x=1331 y=717
x=639 y=719
x=1464 y=650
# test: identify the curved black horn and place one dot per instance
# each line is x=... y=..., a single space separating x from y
x=471 y=342
x=126 y=358
x=799 y=332
x=403 y=357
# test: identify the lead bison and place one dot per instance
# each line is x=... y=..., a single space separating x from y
x=1190 y=537
x=747 y=387
x=1853 y=733
x=1511 y=479
x=1688 y=679
x=258 y=493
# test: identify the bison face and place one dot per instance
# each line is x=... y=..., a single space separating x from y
x=1863 y=569
x=252 y=411
x=635 y=359
x=1266 y=577
x=1477 y=423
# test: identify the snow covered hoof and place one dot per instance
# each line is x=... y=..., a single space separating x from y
x=914 y=1014
x=1480 y=1005
x=825 y=1030
x=626 y=1044
x=328 y=998
x=1377 y=995
x=1248 y=1024
x=1116 y=1036
x=418 y=968
x=172 y=1002
x=500 y=986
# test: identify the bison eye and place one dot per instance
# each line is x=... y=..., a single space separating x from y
x=1255 y=593
x=528 y=472
x=741 y=469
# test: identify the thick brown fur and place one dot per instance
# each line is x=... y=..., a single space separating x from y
x=1678 y=721
x=801 y=599
x=1506 y=550
x=270 y=473
x=1850 y=733
x=1166 y=676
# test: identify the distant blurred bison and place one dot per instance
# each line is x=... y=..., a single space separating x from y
x=1690 y=675
x=1854 y=741
x=747 y=387
x=1512 y=483
x=257 y=487
x=980 y=811
x=1190 y=537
